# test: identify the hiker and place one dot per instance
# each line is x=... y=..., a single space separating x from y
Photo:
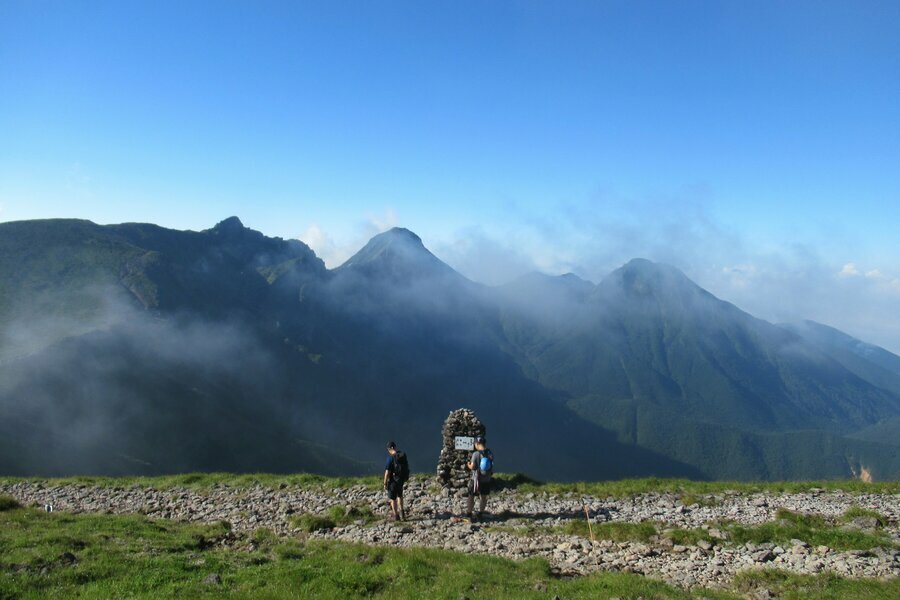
x=482 y=466
x=396 y=472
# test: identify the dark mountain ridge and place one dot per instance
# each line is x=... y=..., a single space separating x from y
x=243 y=352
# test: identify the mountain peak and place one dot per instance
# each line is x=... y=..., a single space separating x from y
x=398 y=252
x=643 y=277
x=401 y=233
x=647 y=271
x=229 y=226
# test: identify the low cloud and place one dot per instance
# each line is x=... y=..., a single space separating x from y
x=334 y=251
x=484 y=259
x=781 y=282
x=789 y=281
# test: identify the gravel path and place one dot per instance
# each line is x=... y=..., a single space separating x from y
x=432 y=524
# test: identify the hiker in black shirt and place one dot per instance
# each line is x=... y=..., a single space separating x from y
x=396 y=472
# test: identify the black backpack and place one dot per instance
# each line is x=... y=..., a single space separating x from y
x=400 y=467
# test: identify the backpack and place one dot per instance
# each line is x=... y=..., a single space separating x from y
x=486 y=466
x=400 y=467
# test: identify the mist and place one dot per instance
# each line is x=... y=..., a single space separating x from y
x=780 y=281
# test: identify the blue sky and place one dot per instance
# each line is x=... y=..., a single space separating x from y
x=755 y=145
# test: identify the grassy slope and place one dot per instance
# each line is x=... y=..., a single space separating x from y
x=114 y=556
x=60 y=556
x=521 y=483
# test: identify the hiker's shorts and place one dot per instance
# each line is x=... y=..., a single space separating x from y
x=484 y=488
x=394 y=490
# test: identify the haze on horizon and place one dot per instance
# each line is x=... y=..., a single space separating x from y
x=755 y=147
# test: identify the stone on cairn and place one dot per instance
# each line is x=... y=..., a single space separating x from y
x=451 y=470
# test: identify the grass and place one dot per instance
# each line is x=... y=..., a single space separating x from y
x=337 y=516
x=688 y=537
x=614 y=531
x=812 y=529
x=688 y=491
x=827 y=586
x=692 y=499
x=8 y=503
x=856 y=511
x=203 y=481
x=58 y=555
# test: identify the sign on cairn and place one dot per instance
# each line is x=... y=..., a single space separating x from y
x=460 y=430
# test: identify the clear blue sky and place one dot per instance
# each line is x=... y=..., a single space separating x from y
x=776 y=123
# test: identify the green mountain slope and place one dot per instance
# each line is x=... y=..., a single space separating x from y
x=666 y=365
x=250 y=355
x=137 y=349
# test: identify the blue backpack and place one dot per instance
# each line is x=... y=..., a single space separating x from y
x=487 y=462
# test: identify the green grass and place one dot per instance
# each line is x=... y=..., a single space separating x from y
x=856 y=511
x=687 y=490
x=787 y=586
x=812 y=529
x=202 y=481
x=337 y=516
x=689 y=537
x=692 y=499
x=8 y=503
x=59 y=555
x=615 y=531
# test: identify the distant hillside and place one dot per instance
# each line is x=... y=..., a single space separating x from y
x=137 y=349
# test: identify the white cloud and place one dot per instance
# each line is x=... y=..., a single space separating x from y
x=322 y=244
x=484 y=259
x=776 y=281
x=335 y=250
x=742 y=275
x=380 y=223
x=849 y=270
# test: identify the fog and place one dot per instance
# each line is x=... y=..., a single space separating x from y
x=777 y=280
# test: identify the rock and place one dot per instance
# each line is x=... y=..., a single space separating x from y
x=213 y=579
x=866 y=522
x=451 y=468
x=705 y=545
x=763 y=556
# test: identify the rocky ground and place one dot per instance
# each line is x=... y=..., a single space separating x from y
x=521 y=525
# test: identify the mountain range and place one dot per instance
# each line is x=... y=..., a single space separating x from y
x=137 y=349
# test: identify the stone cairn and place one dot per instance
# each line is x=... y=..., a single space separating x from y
x=451 y=469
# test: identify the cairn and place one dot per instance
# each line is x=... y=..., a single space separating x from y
x=451 y=469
